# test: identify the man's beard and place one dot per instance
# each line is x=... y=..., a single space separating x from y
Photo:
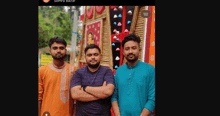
x=58 y=58
x=93 y=65
x=131 y=60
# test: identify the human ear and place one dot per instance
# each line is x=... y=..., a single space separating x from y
x=139 y=48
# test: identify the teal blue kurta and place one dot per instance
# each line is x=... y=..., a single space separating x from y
x=135 y=88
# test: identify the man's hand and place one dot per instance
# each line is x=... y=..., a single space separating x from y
x=39 y=106
x=145 y=112
x=78 y=94
x=115 y=108
x=101 y=92
x=104 y=84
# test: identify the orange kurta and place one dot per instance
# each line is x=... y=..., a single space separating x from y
x=53 y=89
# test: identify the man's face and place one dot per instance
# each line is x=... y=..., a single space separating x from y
x=58 y=51
x=131 y=51
x=93 y=57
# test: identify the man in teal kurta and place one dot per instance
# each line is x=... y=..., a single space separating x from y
x=134 y=93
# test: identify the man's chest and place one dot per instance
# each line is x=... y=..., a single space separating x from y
x=56 y=79
x=92 y=79
x=52 y=77
x=132 y=77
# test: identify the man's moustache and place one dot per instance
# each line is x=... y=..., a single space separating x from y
x=92 y=60
x=59 y=53
x=131 y=54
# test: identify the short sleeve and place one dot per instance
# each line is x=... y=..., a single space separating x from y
x=72 y=69
x=109 y=77
x=115 y=93
x=76 y=79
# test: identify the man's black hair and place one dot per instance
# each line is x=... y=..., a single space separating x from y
x=57 y=40
x=91 y=46
x=130 y=37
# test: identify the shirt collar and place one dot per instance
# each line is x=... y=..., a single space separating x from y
x=131 y=67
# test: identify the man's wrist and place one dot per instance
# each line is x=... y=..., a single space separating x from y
x=117 y=114
x=145 y=112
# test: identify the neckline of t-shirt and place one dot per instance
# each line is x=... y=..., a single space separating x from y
x=93 y=72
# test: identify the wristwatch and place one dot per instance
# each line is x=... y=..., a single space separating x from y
x=84 y=87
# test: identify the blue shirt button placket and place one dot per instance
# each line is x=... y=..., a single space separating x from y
x=129 y=84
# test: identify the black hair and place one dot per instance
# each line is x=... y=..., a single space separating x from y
x=91 y=46
x=57 y=40
x=91 y=34
x=130 y=37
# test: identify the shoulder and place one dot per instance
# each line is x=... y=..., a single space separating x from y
x=81 y=70
x=122 y=67
x=146 y=65
x=43 y=67
x=103 y=68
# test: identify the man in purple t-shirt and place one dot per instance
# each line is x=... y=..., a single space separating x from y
x=93 y=85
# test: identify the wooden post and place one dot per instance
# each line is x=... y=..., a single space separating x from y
x=134 y=19
x=82 y=40
x=109 y=37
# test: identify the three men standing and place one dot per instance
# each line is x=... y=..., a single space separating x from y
x=131 y=92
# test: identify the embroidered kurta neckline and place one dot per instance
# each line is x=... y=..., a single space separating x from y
x=55 y=68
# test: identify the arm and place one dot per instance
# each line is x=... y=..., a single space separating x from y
x=114 y=100
x=40 y=89
x=78 y=94
x=106 y=89
x=150 y=105
x=115 y=108
x=39 y=106
x=145 y=112
x=102 y=92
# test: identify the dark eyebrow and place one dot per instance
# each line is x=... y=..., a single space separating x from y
x=94 y=53
x=88 y=54
x=57 y=47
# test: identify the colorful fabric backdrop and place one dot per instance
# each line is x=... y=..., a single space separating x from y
x=152 y=39
x=149 y=53
x=93 y=33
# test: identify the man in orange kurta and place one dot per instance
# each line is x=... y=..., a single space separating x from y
x=54 y=82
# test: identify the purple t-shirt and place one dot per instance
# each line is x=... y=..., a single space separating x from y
x=85 y=77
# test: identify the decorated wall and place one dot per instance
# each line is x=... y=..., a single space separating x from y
x=106 y=26
x=96 y=29
x=145 y=29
